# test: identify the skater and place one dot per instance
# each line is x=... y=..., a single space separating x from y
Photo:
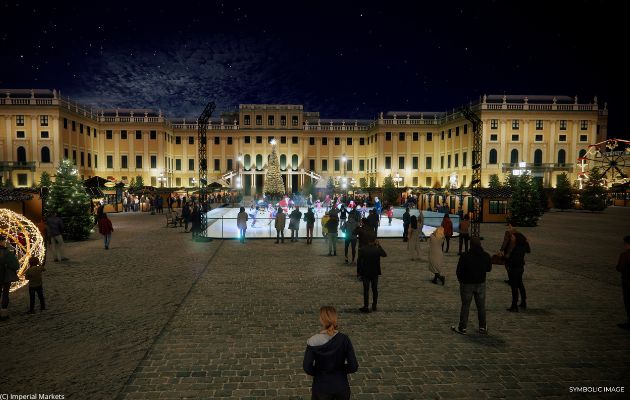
x=390 y=214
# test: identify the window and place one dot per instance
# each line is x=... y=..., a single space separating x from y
x=138 y=162
x=494 y=137
x=246 y=120
x=123 y=162
x=283 y=120
x=348 y=166
x=324 y=165
x=95 y=160
x=258 y=161
x=337 y=141
x=94 y=132
x=229 y=164
x=110 y=162
x=247 y=139
x=563 y=125
x=138 y=135
x=361 y=165
x=324 y=141
x=19 y=120
x=457 y=131
x=442 y=135
x=448 y=161
x=428 y=162
x=583 y=125
x=258 y=139
x=178 y=140
x=89 y=160
x=539 y=138
x=361 y=141
x=442 y=162
x=494 y=124
x=153 y=181
x=65 y=154
x=178 y=164
x=217 y=140
x=498 y=207
x=401 y=136
x=153 y=161
x=349 y=141
x=22 y=179
x=153 y=135
x=538 y=154
x=515 y=138
x=217 y=164
x=270 y=120
x=229 y=140
x=465 y=129
x=336 y=165
x=311 y=165
x=74 y=157
x=583 y=138
x=465 y=159
x=123 y=135
x=514 y=156
x=74 y=126
x=415 y=136
x=283 y=162
x=88 y=131
x=20 y=134
x=258 y=119
x=269 y=139
x=415 y=181
x=45 y=155
x=388 y=162
x=582 y=153
x=428 y=181
x=294 y=140
x=562 y=156
x=456 y=160
x=492 y=156
x=401 y=162
x=429 y=136
x=191 y=164
x=283 y=139
x=65 y=123
x=178 y=181
x=449 y=133
x=191 y=140
x=311 y=141
x=294 y=120
x=516 y=124
x=388 y=136
x=539 y=124
x=43 y=120
x=108 y=134
x=562 y=138
x=80 y=128
x=414 y=162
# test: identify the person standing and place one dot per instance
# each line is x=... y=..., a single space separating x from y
x=35 y=284
x=332 y=226
x=195 y=218
x=55 y=231
x=309 y=218
x=281 y=221
x=186 y=216
x=324 y=223
x=508 y=244
x=9 y=266
x=369 y=272
x=390 y=214
x=373 y=220
x=294 y=223
x=241 y=224
x=406 y=221
x=350 y=234
x=516 y=266
x=436 y=257
x=329 y=358
x=623 y=266
x=464 y=233
x=471 y=274
x=105 y=228
x=447 y=224
x=343 y=215
x=413 y=243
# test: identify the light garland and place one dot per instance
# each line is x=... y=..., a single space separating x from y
x=24 y=238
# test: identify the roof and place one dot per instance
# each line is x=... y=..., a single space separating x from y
x=502 y=193
x=7 y=195
x=518 y=98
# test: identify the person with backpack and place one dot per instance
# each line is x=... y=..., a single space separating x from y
x=9 y=266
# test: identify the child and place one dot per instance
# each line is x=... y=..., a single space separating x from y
x=390 y=214
x=34 y=276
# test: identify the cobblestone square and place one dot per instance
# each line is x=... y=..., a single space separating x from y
x=160 y=316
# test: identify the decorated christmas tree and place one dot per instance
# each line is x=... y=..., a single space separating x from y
x=67 y=198
x=274 y=186
x=593 y=196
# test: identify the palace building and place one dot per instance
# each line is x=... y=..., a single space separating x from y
x=544 y=134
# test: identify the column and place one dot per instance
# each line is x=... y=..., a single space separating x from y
x=8 y=138
x=56 y=150
x=34 y=137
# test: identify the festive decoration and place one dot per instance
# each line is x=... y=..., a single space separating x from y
x=612 y=159
x=593 y=196
x=274 y=186
x=24 y=239
x=390 y=194
x=524 y=207
x=70 y=201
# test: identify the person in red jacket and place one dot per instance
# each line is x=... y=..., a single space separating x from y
x=105 y=228
x=447 y=224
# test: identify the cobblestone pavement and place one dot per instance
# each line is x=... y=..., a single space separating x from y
x=161 y=317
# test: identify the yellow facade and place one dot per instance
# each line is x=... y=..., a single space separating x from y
x=39 y=128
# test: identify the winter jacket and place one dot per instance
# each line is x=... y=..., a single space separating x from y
x=281 y=221
x=34 y=275
x=516 y=259
x=623 y=266
x=464 y=227
x=294 y=218
x=55 y=226
x=105 y=226
x=370 y=264
x=309 y=217
x=447 y=224
x=473 y=265
x=241 y=220
x=332 y=224
x=329 y=360
x=9 y=266
x=324 y=223
x=436 y=256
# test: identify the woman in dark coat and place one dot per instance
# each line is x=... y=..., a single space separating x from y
x=515 y=264
x=195 y=217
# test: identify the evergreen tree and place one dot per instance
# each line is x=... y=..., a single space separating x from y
x=390 y=193
x=510 y=181
x=524 y=207
x=274 y=185
x=543 y=201
x=372 y=185
x=563 y=195
x=69 y=200
x=363 y=183
x=330 y=186
x=139 y=182
x=44 y=180
x=593 y=196
x=132 y=183
x=308 y=189
x=494 y=182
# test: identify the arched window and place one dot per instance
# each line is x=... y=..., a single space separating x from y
x=258 y=161
x=283 y=162
x=294 y=162
x=492 y=158
x=514 y=156
x=562 y=156
x=247 y=161
x=538 y=157
x=45 y=155
x=21 y=154
x=582 y=153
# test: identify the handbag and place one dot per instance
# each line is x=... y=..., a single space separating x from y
x=498 y=259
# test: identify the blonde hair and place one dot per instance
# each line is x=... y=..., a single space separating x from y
x=439 y=233
x=328 y=317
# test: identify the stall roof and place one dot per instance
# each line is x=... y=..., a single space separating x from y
x=7 y=195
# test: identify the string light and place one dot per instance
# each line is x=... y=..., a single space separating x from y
x=24 y=238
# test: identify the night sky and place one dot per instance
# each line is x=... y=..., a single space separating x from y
x=344 y=59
